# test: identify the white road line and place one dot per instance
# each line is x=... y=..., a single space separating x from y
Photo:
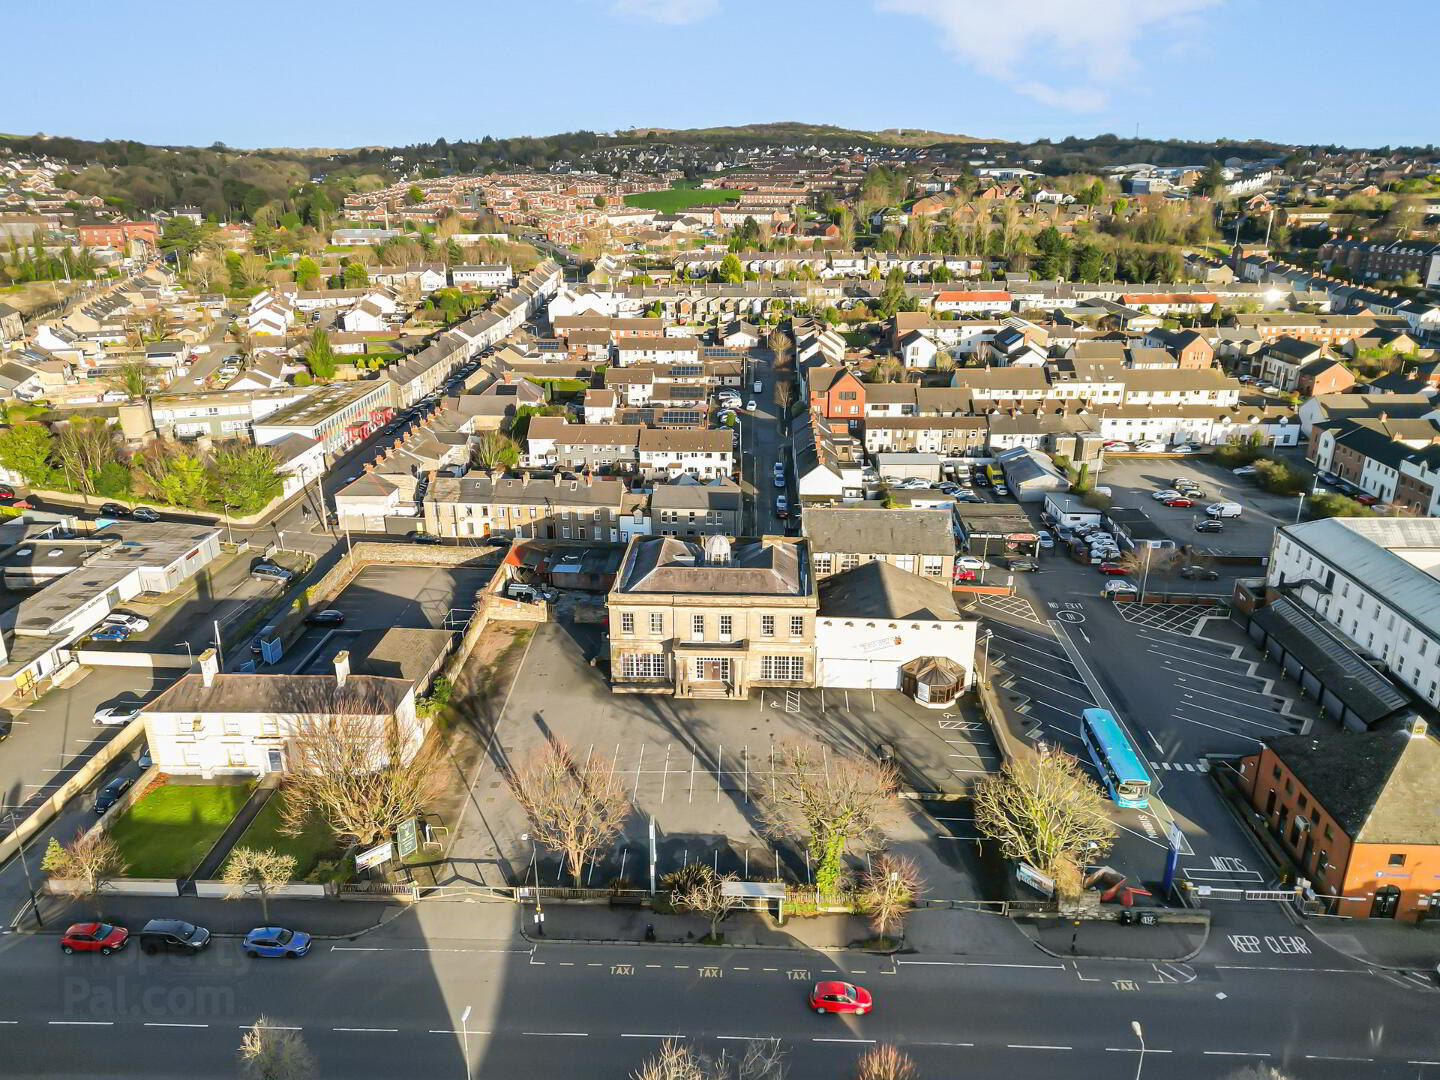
x=1241 y=1053
x=1027 y=1046
x=455 y=1031
x=1212 y=727
x=974 y=963
x=751 y=1038
x=1407 y=1063
x=272 y=1027
x=377 y=1030
x=943 y=1044
x=559 y=1034
x=844 y=1040
x=1327 y=1057
x=158 y=1024
x=1232 y=716
x=81 y=1023
x=1135 y=1050
x=630 y=1035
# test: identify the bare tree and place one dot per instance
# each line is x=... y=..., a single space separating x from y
x=205 y=271
x=888 y=890
x=762 y=1059
x=1045 y=810
x=133 y=378
x=698 y=888
x=257 y=871
x=361 y=768
x=576 y=809
x=93 y=858
x=885 y=1062
x=272 y=1052
x=784 y=395
x=84 y=447
x=252 y=270
x=829 y=799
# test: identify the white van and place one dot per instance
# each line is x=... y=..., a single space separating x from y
x=759 y=386
x=1223 y=510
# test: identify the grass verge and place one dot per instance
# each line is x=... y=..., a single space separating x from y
x=167 y=832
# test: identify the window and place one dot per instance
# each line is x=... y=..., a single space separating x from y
x=1304 y=802
x=782 y=668
x=190 y=756
x=232 y=725
x=727 y=627
x=767 y=625
x=643 y=666
x=849 y=562
x=627 y=622
x=906 y=563
x=268 y=726
x=934 y=566
x=1397 y=860
x=657 y=623
x=822 y=564
x=797 y=625
x=1275 y=772
x=697 y=627
x=236 y=756
x=1329 y=835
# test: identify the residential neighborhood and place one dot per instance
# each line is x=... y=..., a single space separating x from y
x=602 y=603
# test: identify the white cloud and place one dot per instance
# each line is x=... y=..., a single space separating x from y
x=1058 y=52
x=670 y=12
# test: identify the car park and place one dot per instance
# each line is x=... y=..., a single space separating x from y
x=106 y=797
x=327 y=617
x=841 y=997
x=276 y=941
x=173 y=935
x=100 y=937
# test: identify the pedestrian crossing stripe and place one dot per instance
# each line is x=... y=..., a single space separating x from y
x=1181 y=766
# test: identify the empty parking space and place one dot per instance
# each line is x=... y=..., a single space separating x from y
x=1182 y=619
x=1036 y=679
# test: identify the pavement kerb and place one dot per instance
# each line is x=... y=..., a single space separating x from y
x=59 y=931
x=1129 y=959
x=541 y=940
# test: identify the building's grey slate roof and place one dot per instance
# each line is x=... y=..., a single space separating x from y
x=879 y=531
x=768 y=567
x=881 y=590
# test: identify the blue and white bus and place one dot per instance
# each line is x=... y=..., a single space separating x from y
x=1121 y=769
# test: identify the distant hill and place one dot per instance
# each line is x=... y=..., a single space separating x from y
x=791 y=131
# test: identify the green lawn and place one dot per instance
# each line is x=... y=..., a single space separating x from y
x=674 y=200
x=265 y=832
x=167 y=832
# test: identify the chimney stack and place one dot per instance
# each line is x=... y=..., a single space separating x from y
x=209 y=667
x=342 y=667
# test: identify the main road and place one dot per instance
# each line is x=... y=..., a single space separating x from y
x=392 y=1003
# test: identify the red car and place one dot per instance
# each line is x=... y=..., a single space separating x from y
x=1113 y=568
x=840 y=997
x=1181 y=501
x=94 y=937
x=961 y=574
x=1367 y=500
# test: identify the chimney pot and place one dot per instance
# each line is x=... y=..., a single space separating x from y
x=209 y=667
x=342 y=667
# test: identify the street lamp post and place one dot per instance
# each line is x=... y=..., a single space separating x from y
x=1300 y=510
x=985 y=659
x=1145 y=580
x=465 y=1038
x=1139 y=1034
x=29 y=884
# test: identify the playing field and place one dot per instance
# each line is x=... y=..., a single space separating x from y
x=674 y=200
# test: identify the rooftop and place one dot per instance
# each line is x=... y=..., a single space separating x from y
x=880 y=590
x=879 y=531
x=769 y=566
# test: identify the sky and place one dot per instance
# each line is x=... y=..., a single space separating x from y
x=319 y=73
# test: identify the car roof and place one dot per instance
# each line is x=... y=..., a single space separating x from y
x=166 y=926
x=831 y=987
x=84 y=928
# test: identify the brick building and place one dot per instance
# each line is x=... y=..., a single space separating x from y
x=119 y=234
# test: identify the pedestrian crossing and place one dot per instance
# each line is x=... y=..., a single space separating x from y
x=1181 y=766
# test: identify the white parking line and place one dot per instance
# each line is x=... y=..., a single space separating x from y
x=1212 y=727
x=1232 y=716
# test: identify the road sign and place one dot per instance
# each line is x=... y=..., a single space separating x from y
x=380 y=853
x=1028 y=875
x=408 y=838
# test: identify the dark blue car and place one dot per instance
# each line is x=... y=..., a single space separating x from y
x=276 y=941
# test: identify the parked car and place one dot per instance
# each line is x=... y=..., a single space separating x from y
x=121 y=713
x=276 y=941
x=327 y=617
x=1023 y=564
x=1209 y=526
x=144 y=513
x=6 y=492
x=841 y=997
x=106 y=796
x=415 y=536
x=964 y=574
x=1119 y=447
x=1121 y=588
x=1244 y=470
x=1199 y=573
x=94 y=937
x=133 y=623
x=782 y=506
x=1150 y=447
x=268 y=571
x=111 y=509
x=750 y=405
x=1179 y=500
x=1045 y=539
x=1224 y=510
x=1114 y=568
x=968 y=497
x=1164 y=493
x=110 y=632
x=173 y=935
